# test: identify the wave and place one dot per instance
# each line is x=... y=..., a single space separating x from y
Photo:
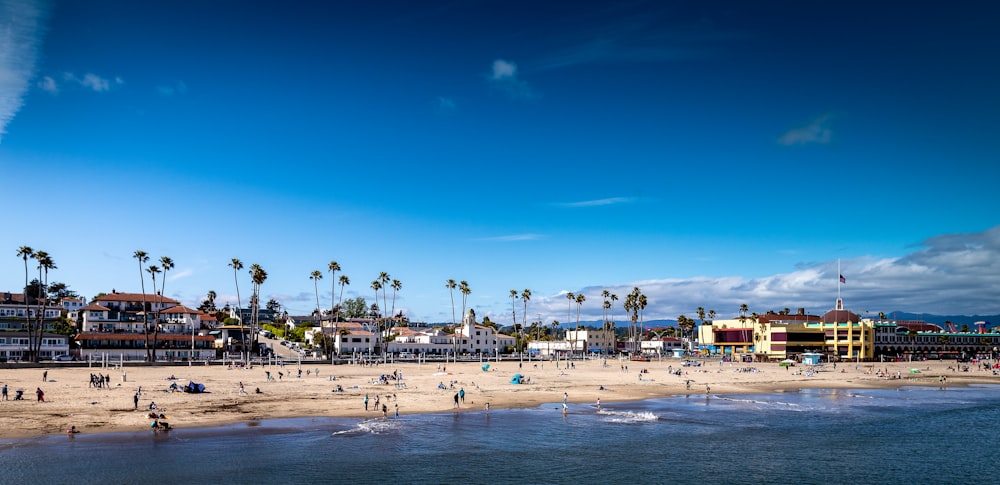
x=628 y=417
x=370 y=426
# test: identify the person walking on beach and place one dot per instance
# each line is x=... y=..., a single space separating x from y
x=135 y=401
x=3 y=393
x=366 y=402
x=40 y=394
x=461 y=394
x=45 y=376
x=456 y=401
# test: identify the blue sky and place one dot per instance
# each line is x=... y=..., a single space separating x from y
x=711 y=153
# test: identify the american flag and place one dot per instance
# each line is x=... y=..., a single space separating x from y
x=843 y=280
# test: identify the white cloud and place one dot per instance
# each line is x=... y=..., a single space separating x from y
x=817 y=131
x=48 y=85
x=180 y=274
x=20 y=37
x=952 y=274
x=92 y=81
x=598 y=202
x=504 y=78
x=504 y=70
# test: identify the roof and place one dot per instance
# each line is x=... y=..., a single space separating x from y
x=149 y=297
x=161 y=337
x=840 y=316
x=180 y=309
x=94 y=307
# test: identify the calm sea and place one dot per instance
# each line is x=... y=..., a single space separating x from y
x=911 y=435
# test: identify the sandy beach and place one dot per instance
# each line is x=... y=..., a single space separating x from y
x=70 y=400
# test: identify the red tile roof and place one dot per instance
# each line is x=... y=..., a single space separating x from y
x=136 y=297
x=180 y=309
x=94 y=307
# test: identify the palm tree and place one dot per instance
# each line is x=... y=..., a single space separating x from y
x=344 y=281
x=579 y=303
x=257 y=276
x=569 y=305
x=333 y=267
x=153 y=271
x=237 y=265
x=384 y=279
x=463 y=288
x=396 y=286
x=525 y=297
x=166 y=264
x=635 y=302
x=24 y=252
x=450 y=285
x=316 y=276
x=513 y=312
x=142 y=258
x=44 y=263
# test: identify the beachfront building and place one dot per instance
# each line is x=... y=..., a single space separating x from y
x=591 y=341
x=13 y=311
x=549 y=348
x=14 y=346
x=917 y=340
x=421 y=341
x=477 y=339
x=114 y=326
x=838 y=334
x=660 y=346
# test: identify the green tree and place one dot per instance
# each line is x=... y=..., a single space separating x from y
x=257 y=276
x=570 y=298
x=25 y=252
x=344 y=281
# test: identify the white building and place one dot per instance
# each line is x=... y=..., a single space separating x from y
x=13 y=346
x=591 y=341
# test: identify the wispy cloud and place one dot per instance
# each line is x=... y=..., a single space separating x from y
x=597 y=202
x=184 y=273
x=48 y=85
x=952 y=274
x=92 y=81
x=512 y=238
x=444 y=105
x=817 y=131
x=20 y=37
x=171 y=89
x=504 y=78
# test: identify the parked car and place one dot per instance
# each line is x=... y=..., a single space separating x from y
x=64 y=358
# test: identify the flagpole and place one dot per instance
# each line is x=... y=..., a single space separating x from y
x=838 y=279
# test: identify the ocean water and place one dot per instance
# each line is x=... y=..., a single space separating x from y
x=911 y=435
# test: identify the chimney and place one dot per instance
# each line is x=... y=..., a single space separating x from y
x=802 y=311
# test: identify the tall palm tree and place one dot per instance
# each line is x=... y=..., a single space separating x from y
x=463 y=288
x=166 y=264
x=344 y=281
x=25 y=252
x=513 y=312
x=451 y=285
x=316 y=276
x=142 y=258
x=570 y=297
x=333 y=267
x=579 y=303
x=396 y=286
x=237 y=265
x=153 y=271
x=257 y=276
x=384 y=279
x=45 y=263
x=525 y=297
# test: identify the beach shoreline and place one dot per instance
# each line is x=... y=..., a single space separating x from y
x=70 y=399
